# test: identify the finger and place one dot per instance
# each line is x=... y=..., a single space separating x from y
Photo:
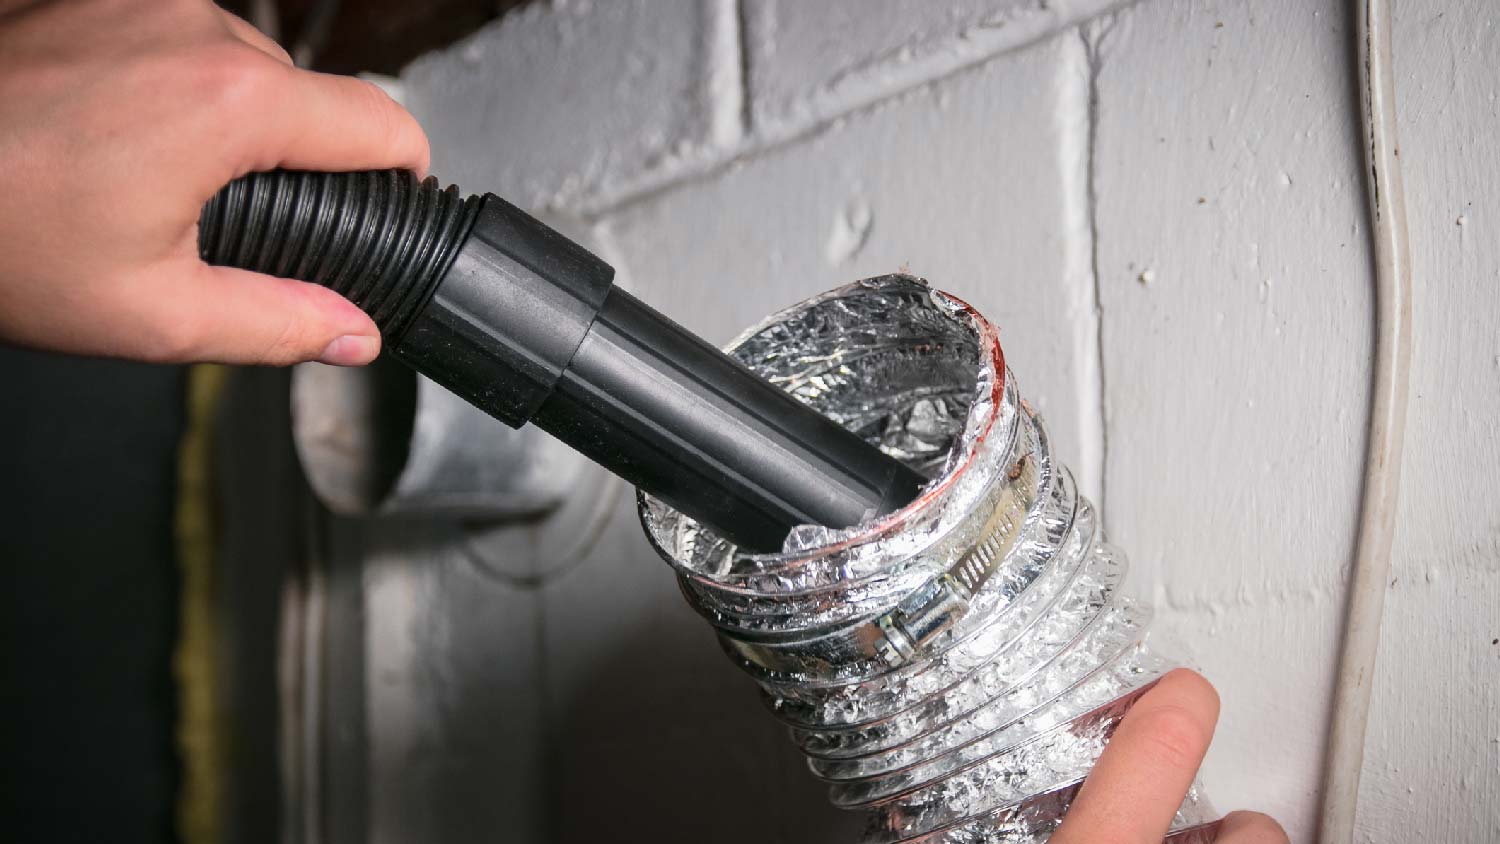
x=246 y=32
x=1139 y=781
x=1251 y=828
x=321 y=121
x=228 y=315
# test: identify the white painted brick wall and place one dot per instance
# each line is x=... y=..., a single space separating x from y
x=569 y=99
x=1233 y=273
x=1162 y=208
x=1433 y=760
x=812 y=61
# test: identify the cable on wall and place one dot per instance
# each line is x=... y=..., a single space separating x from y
x=1382 y=473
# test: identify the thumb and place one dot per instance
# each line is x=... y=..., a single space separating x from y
x=245 y=317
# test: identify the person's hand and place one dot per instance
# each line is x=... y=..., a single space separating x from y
x=118 y=120
x=1144 y=773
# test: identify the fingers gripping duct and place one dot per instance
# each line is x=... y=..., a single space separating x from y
x=954 y=668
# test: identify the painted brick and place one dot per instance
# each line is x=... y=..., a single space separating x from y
x=1234 y=278
x=1432 y=760
x=810 y=61
x=561 y=101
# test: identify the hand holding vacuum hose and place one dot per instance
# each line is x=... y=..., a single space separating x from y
x=117 y=121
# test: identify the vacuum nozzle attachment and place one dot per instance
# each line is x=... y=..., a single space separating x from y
x=527 y=326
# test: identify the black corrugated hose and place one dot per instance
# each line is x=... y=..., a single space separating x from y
x=381 y=239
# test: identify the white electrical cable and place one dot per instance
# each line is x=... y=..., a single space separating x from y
x=1382 y=474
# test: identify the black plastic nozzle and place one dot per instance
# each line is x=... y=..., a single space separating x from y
x=527 y=325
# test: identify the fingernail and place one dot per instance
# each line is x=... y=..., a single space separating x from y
x=350 y=350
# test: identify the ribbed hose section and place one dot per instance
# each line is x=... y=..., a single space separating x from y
x=379 y=238
x=953 y=669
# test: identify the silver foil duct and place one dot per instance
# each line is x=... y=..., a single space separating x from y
x=954 y=668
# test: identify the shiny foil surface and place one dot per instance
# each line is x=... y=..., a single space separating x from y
x=952 y=669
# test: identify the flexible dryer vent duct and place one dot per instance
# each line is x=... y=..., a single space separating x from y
x=953 y=668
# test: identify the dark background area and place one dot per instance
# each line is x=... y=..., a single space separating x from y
x=88 y=600
x=378 y=36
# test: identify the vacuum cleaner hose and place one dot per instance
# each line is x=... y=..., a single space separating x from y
x=527 y=325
